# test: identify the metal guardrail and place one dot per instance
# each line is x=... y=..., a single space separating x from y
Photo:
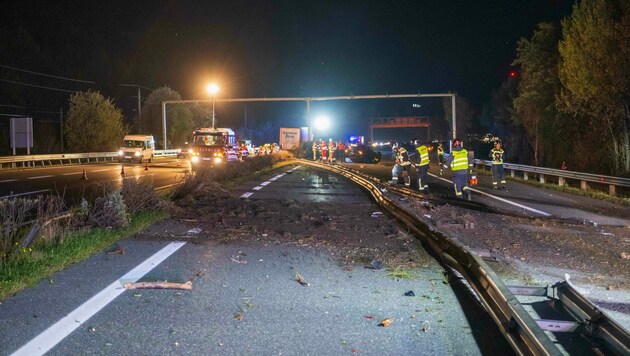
x=68 y=158
x=562 y=175
x=519 y=328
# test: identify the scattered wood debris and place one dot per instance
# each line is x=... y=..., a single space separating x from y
x=386 y=322
x=300 y=279
x=118 y=251
x=159 y=285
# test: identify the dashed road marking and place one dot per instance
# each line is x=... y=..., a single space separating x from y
x=40 y=177
x=247 y=195
x=8 y=180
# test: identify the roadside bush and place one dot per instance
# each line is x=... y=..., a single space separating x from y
x=49 y=211
x=13 y=213
x=109 y=211
x=139 y=196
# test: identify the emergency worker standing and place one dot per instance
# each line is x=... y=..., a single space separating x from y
x=331 y=150
x=423 y=166
x=461 y=167
x=498 y=173
x=440 y=155
x=314 y=150
x=323 y=149
x=403 y=164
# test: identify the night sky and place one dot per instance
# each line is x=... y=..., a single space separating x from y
x=272 y=48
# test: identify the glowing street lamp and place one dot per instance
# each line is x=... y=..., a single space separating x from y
x=213 y=89
x=322 y=123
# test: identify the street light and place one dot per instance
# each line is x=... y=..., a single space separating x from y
x=322 y=123
x=213 y=89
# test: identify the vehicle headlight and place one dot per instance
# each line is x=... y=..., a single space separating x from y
x=194 y=159
x=120 y=153
x=218 y=159
x=137 y=154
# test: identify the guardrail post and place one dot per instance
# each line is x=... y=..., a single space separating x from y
x=513 y=173
x=561 y=181
x=541 y=178
x=583 y=185
x=612 y=190
x=525 y=177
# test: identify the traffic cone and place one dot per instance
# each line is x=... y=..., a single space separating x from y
x=122 y=170
x=146 y=166
x=84 y=175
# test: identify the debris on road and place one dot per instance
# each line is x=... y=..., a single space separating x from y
x=425 y=326
x=193 y=231
x=118 y=251
x=300 y=279
x=375 y=264
x=377 y=214
x=159 y=285
x=625 y=256
x=238 y=317
x=410 y=294
x=238 y=259
x=386 y=322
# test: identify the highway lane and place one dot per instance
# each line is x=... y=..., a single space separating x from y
x=336 y=314
x=66 y=180
x=519 y=198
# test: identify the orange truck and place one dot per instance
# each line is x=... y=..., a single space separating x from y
x=212 y=146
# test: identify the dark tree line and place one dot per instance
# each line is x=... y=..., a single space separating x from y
x=570 y=101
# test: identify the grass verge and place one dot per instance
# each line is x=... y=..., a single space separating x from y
x=44 y=259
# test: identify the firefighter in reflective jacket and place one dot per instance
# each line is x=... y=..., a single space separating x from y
x=440 y=154
x=461 y=167
x=402 y=165
x=423 y=166
x=314 y=149
x=498 y=173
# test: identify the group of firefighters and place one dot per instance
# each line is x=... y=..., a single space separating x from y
x=458 y=161
x=329 y=151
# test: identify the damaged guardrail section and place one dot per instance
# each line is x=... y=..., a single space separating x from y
x=518 y=327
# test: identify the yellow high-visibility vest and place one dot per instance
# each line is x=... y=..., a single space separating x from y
x=460 y=160
x=424 y=155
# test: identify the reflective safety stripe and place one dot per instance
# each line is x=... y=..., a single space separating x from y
x=497 y=156
x=424 y=155
x=460 y=160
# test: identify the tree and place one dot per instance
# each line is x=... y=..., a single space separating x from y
x=178 y=117
x=538 y=87
x=595 y=77
x=94 y=123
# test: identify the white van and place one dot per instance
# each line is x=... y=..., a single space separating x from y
x=138 y=148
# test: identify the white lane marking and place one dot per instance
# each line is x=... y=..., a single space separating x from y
x=101 y=170
x=247 y=195
x=40 y=177
x=265 y=183
x=71 y=173
x=498 y=198
x=8 y=180
x=27 y=193
x=45 y=341
x=257 y=188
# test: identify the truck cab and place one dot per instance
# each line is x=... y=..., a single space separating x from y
x=210 y=146
x=138 y=148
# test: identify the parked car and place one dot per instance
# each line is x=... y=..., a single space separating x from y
x=363 y=154
x=184 y=151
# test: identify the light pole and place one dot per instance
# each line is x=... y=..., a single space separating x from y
x=213 y=89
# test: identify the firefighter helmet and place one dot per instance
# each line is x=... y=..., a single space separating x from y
x=457 y=142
